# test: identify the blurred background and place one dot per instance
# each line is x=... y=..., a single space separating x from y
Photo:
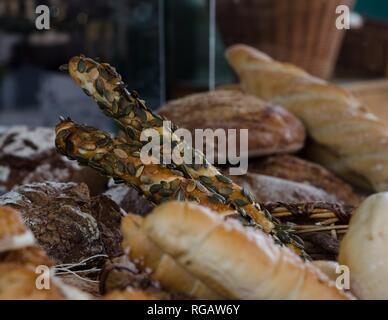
x=168 y=48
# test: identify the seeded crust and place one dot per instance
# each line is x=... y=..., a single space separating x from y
x=272 y=129
x=292 y=168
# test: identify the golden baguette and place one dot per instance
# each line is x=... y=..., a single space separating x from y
x=234 y=261
x=162 y=267
x=333 y=116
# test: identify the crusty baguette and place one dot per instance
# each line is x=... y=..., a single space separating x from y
x=162 y=267
x=236 y=262
x=272 y=129
x=332 y=115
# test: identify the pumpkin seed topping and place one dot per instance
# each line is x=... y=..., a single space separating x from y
x=81 y=66
x=131 y=169
x=139 y=171
x=120 y=153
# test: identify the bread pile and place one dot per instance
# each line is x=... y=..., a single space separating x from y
x=109 y=226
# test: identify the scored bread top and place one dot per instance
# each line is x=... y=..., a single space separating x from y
x=237 y=262
x=272 y=129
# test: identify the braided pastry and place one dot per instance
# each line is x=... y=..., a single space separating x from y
x=334 y=118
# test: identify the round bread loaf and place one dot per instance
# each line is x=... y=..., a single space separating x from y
x=364 y=248
x=272 y=129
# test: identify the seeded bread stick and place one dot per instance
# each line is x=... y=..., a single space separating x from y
x=103 y=83
x=120 y=160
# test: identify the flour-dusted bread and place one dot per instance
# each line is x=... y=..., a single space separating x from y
x=272 y=189
x=333 y=116
x=296 y=169
x=272 y=129
x=237 y=262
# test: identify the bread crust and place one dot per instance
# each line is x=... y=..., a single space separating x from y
x=292 y=168
x=162 y=268
x=273 y=189
x=237 y=262
x=332 y=115
x=272 y=129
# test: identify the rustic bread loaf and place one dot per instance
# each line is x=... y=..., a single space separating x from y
x=292 y=168
x=66 y=221
x=272 y=129
x=273 y=189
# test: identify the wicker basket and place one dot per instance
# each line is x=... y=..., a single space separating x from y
x=299 y=31
x=321 y=226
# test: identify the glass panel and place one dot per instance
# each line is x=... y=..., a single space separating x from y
x=123 y=32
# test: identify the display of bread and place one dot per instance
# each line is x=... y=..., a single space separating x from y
x=119 y=158
x=333 y=116
x=187 y=230
x=296 y=169
x=235 y=262
x=272 y=129
x=364 y=248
